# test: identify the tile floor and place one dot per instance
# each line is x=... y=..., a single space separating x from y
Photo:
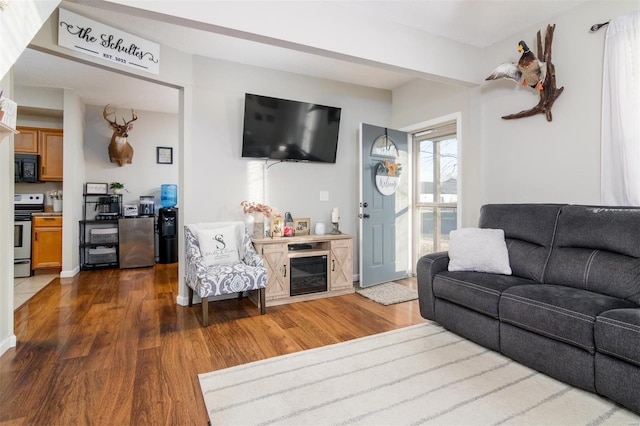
x=25 y=288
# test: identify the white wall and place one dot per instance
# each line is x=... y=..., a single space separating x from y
x=19 y=22
x=73 y=174
x=221 y=179
x=370 y=40
x=527 y=159
x=40 y=97
x=143 y=176
x=7 y=338
x=423 y=100
x=530 y=159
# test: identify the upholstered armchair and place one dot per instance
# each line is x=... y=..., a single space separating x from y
x=220 y=259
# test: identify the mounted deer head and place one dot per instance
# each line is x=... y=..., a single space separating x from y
x=119 y=149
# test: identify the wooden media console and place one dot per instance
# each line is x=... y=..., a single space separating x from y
x=279 y=252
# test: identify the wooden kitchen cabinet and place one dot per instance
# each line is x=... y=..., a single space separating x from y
x=50 y=145
x=46 y=242
x=26 y=142
x=46 y=142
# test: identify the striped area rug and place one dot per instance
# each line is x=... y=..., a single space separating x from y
x=416 y=375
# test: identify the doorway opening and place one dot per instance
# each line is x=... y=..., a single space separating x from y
x=436 y=190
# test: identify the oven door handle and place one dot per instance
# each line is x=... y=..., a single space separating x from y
x=21 y=262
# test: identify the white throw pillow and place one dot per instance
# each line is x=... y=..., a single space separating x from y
x=480 y=250
x=218 y=246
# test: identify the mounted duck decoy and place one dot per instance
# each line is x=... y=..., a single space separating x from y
x=528 y=71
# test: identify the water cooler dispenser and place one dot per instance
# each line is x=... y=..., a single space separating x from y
x=168 y=225
x=168 y=234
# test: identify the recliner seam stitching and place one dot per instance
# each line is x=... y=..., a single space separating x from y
x=587 y=269
x=551 y=247
x=489 y=314
x=543 y=332
x=471 y=285
x=550 y=307
x=621 y=325
x=634 y=361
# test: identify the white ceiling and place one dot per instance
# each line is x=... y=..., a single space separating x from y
x=478 y=23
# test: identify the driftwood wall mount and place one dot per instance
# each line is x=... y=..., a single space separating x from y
x=549 y=92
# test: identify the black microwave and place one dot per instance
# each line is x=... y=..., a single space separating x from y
x=26 y=167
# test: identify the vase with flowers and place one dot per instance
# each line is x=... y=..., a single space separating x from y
x=259 y=217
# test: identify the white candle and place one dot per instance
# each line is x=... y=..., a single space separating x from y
x=335 y=215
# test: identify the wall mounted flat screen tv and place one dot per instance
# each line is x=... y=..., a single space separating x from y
x=281 y=129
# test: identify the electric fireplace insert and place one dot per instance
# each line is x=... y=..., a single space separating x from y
x=308 y=275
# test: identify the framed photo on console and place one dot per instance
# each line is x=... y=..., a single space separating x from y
x=277 y=226
x=301 y=226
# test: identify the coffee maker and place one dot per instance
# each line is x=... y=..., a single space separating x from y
x=108 y=207
x=146 y=205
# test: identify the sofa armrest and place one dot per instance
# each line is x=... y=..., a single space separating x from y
x=428 y=266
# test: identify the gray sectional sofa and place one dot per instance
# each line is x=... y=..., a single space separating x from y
x=570 y=309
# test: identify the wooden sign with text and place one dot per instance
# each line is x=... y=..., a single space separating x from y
x=92 y=38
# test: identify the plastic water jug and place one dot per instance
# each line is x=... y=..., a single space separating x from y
x=168 y=195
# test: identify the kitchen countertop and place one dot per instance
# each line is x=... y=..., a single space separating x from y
x=47 y=214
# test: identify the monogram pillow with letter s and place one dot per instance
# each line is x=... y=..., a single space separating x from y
x=218 y=246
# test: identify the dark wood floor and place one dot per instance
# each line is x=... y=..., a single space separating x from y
x=112 y=347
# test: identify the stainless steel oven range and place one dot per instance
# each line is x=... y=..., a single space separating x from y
x=24 y=205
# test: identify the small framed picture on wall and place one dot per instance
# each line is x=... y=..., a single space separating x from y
x=164 y=155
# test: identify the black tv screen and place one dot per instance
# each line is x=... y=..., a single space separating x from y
x=281 y=129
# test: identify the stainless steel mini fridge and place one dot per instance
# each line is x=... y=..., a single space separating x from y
x=136 y=239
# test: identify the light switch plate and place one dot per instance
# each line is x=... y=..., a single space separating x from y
x=324 y=195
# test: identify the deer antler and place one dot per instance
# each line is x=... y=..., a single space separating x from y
x=134 y=117
x=106 y=113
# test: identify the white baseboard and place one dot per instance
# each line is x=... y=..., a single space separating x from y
x=70 y=274
x=8 y=343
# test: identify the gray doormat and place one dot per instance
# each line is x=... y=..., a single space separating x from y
x=388 y=293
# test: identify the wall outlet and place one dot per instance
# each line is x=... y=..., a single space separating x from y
x=324 y=195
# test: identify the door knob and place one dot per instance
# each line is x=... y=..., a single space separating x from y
x=363 y=216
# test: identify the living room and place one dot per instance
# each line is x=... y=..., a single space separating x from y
x=488 y=151
x=525 y=160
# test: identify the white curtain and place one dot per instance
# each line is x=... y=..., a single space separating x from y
x=621 y=112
